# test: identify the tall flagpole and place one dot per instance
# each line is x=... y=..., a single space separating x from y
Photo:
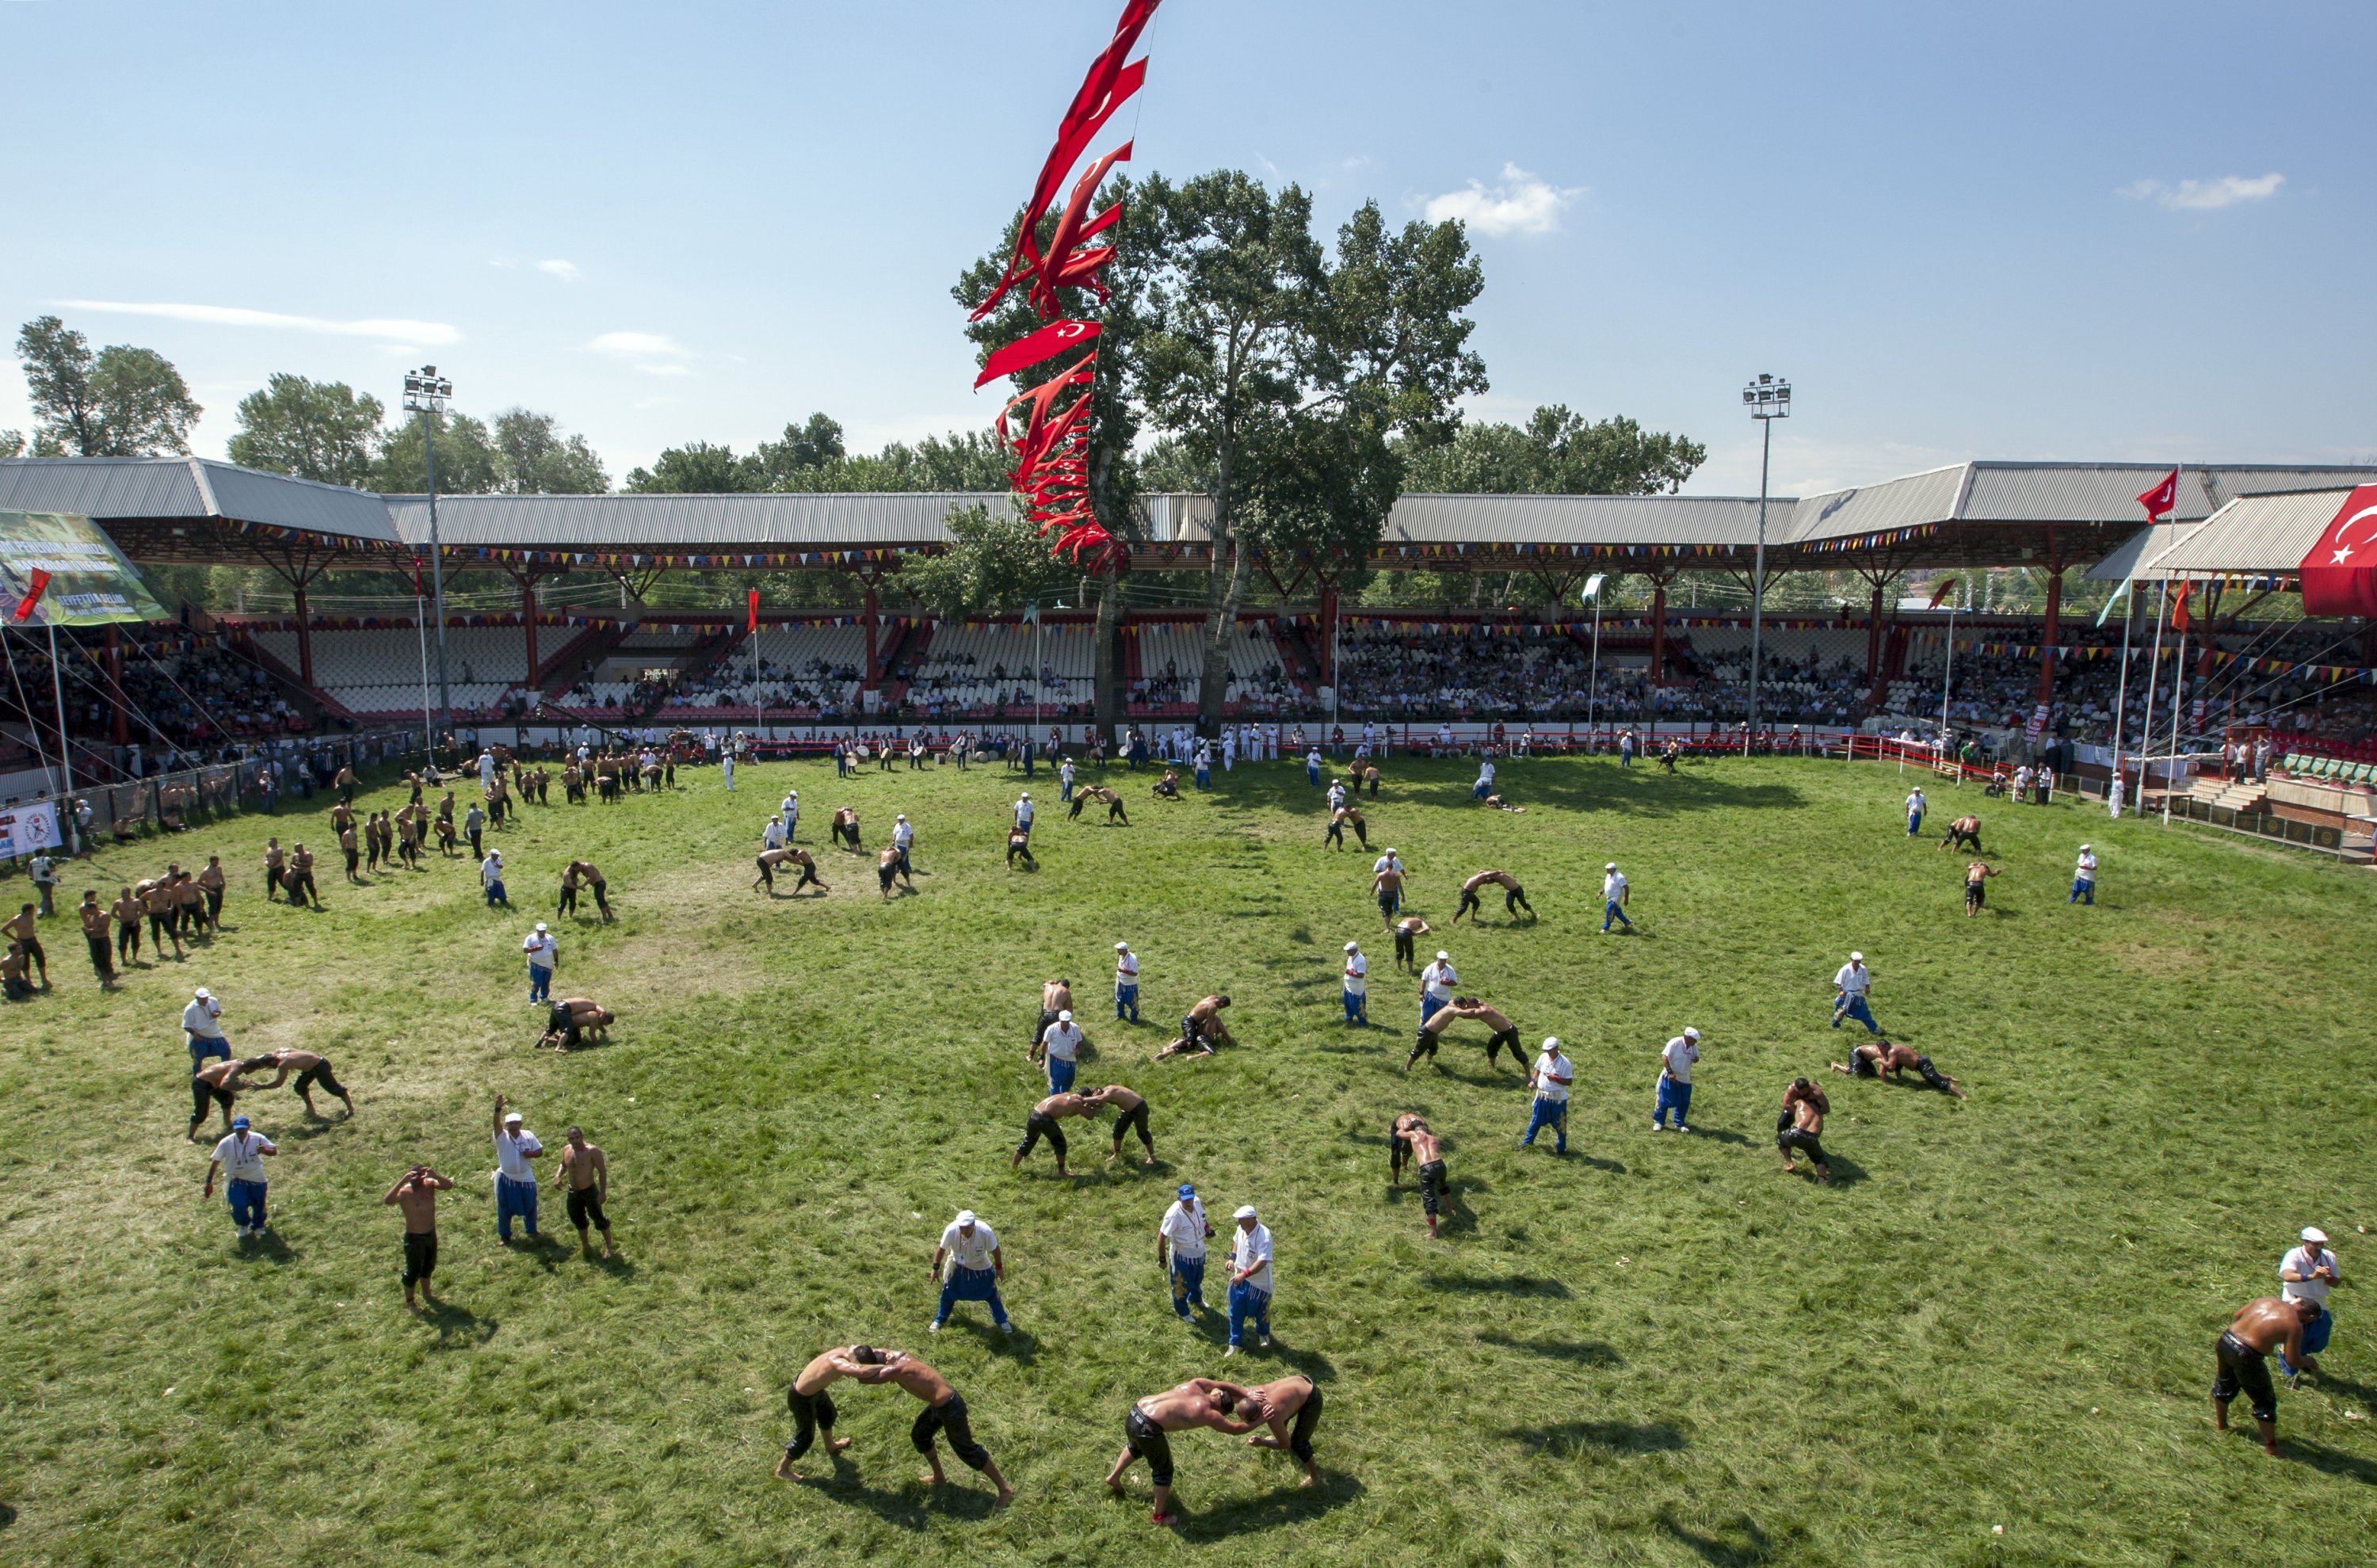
x=2153 y=674
x=2121 y=687
x=1948 y=677
x=2178 y=696
x=58 y=695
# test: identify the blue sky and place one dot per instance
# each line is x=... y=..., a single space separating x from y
x=2009 y=230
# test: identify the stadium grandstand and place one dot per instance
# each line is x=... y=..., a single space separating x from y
x=220 y=675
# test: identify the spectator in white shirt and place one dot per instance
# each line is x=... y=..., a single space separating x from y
x=1613 y=898
x=491 y=876
x=1916 y=805
x=2084 y=878
x=1125 y=981
x=1357 y=969
x=1023 y=813
x=1850 y=987
x=1250 y=1280
x=1550 y=1078
x=1183 y=1232
x=240 y=1157
x=202 y=1023
x=1675 y=1081
x=2308 y=1273
x=977 y=1267
x=772 y=835
x=543 y=953
x=514 y=1177
x=1436 y=983
x=903 y=839
x=789 y=813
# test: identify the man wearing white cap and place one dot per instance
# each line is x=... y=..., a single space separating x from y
x=1552 y=1074
x=1916 y=806
x=1024 y=815
x=789 y=813
x=2307 y=1274
x=1125 y=981
x=1676 y=1061
x=1849 y=986
x=1062 y=1041
x=1614 y=893
x=772 y=835
x=514 y=1177
x=977 y=1266
x=490 y=876
x=1184 y=1230
x=903 y=839
x=1250 y=1280
x=202 y=1024
x=241 y=1156
x=1436 y=983
x=542 y=951
x=2084 y=878
x=1358 y=1001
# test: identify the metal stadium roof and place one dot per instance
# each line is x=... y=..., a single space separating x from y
x=771 y=522
x=113 y=490
x=2257 y=536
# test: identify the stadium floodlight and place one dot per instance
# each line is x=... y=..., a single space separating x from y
x=1768 y=399
x=425 y=393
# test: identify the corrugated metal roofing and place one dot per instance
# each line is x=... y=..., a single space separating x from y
x=1593 y=520
x=684 y=522
x=119 y=489
x=2257 y=534
x=1909 y=502
x=2130 y=560
x=2075 y=492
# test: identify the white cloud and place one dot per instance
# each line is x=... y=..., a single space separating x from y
x=1521 y=204
x=394 y=329
x=654 y=354
x=2207 y=196
x=565 y=271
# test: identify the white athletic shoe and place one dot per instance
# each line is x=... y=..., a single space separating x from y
x=1681 y=1127
x=1229 y=1352
x=1658 y=1127
x=933 y=1328
x=1264 y=1342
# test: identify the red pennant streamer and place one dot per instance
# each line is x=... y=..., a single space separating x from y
x=35 y=585
x=1046 y=343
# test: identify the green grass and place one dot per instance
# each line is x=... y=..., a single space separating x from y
x=1659 y=1350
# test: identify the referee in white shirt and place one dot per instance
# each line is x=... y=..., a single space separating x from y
x=1183 y=1232
x=976 y=1265
x=2308 y=1273
x=1250 y=1280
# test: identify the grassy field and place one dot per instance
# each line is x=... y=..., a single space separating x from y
x=1658 y=1350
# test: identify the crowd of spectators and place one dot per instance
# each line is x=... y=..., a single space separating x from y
x=1384 y=673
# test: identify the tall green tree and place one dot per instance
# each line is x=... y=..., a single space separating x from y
x=533 y=456
x=122 y=402
x=1140 y=238
x=467 y=463
x=698 y=467
x=1555 y=453
x=996 y=563
x=317 y=430
x=804 y=449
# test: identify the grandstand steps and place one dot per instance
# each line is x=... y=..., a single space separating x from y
x=299 y=694
x=708 y=654
x=908 y=647
x=563 y=670
x=2238 y=796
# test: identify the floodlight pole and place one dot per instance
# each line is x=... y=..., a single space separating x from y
x=1593 y=687
x=1768 y=399
x=66 y=746
x=426 y=392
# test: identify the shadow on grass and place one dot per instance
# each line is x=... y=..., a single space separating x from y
x=1722 y=1136
x=8 y=1516
x=2319 y=1456
x=1583 y=1353
x=1290 y=1506
x=1570 y=1437
x=1498 y=1284
x=2329 y=1382
x=910 y=1507
x=1017 y=1347
x=1741 y=1544
x=458 y=1327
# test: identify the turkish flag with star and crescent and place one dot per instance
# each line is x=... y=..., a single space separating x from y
x=2159 y=500
x=2339 y=575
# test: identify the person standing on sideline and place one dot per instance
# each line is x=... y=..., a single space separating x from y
x=588 y=1177
x=1549 y=1079
x=415 y=1194
x=241 y=1156
x=2258 y=1328
x=1675 y=1080
x=514 y=1177
x=1358 y=1001
x=1312 y=766
x=903 y=839
x=1916 y=805
x=490 y=876
x=976 y=1268
x=1436 y=983
x=1062 y=1042
x=1849 y=988
x=1250 y=1280
x=1065 y=779
x=1024 y=815
x=1125 y=981
x=1184 y=1230
x=543 y=953
x=726 y=763
x=2084 y=878
x=2308 y=1273
x=789 y=813
x=1614 y=894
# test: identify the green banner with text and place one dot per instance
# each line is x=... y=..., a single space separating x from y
x=88 y=583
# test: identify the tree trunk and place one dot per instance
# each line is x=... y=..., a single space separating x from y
x=1223 y=596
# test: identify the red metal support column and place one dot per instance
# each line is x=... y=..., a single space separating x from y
x=2048 y=626
x=305 y=640
x=528 y=619
x=123 y=730
x=1658 y=628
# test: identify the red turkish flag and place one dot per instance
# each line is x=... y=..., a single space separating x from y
x=35 y=585
x=2339 y=575
x=1026 y=351
x=2179 y=616
x=751 y=620
x=2159 y=500
x=1943 y=591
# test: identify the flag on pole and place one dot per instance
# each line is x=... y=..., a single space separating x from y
x=1032 y=613
x=2339 y=571
x=1593 y=587
x=36 y=582
x=2160 y=500
x=751 y=620
x=1947 y=586
x=418 y=590
x=2178 y=615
